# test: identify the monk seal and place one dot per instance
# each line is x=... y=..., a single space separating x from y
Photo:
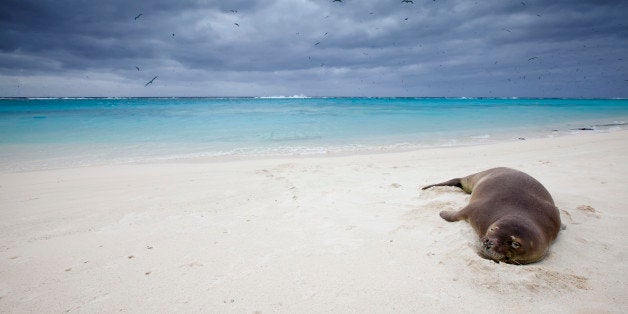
x=512 y=213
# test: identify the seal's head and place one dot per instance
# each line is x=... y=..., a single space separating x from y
x=512 y=241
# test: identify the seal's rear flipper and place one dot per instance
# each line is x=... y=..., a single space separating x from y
x=452 y=182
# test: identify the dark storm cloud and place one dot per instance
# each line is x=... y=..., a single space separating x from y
x=428 y=48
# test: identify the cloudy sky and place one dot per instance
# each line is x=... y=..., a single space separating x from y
x=455 y=48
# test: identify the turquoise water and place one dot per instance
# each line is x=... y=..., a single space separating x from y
x=42 y=133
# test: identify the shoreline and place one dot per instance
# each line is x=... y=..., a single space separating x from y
x=317 y=152
x=348 y=233
x=375 y=150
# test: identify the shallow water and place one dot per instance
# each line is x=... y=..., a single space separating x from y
x=48 y=133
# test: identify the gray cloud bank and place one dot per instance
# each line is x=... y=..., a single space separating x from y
x=317 y=48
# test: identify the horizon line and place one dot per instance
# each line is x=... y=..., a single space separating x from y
x=302 y=97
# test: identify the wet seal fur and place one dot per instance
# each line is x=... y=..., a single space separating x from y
x=512 y=213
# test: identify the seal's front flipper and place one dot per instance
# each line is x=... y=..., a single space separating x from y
x=452 y=182
x=450 y=215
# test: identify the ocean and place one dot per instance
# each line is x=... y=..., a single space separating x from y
x=67 y=132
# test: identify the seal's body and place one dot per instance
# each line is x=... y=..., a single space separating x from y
x=512 y=213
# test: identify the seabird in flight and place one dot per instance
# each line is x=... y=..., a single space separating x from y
x=151 y=81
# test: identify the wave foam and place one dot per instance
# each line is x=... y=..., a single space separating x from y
x=284 y=97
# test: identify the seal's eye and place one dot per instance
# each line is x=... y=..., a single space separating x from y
x=515 y=245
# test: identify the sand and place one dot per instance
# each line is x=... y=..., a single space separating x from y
x=324 y=234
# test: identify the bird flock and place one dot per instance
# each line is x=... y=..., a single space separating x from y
x=317 y=43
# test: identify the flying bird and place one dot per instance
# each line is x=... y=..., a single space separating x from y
x=138 y=16
x=233 y=11
x=138 y=68
x=172 y=34
x=151 y=81
x=317 y=43
x=236 y=24
x=407 y=1
x=337 y=1
x=533 y=58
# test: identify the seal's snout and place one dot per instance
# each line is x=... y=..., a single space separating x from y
x=487 y=243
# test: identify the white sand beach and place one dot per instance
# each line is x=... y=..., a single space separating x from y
x=324 y=234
